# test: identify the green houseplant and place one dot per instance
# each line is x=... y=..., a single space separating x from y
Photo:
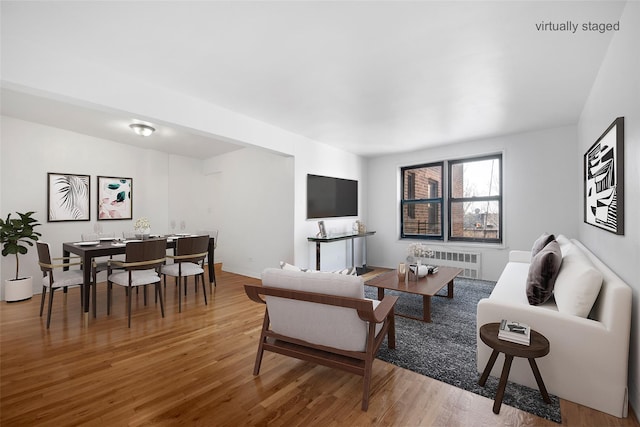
x=16 y=234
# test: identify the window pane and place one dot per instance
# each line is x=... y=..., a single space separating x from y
x=475 y=220
x=476 y=178
x=423 y=183
x=422 y=219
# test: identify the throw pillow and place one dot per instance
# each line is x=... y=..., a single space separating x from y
x=290 y=267
x=543 y=271
x=351 y=271
x=540 y=243
x=578 y=284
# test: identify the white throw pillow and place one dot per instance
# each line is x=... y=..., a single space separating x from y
x=578 y=284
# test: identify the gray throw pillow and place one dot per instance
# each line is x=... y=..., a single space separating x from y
x=543 y=272
x=540 y=243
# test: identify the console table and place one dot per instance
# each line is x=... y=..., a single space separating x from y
x=336 y=237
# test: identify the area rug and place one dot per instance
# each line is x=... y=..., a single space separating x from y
x=446 y=348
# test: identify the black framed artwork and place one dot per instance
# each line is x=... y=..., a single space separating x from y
x=68 y=197
x=114 y=198
x=604 y=180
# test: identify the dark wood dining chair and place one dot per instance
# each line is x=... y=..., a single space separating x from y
x=188 y=261
x=213 y=234
x=61 y=279
x=98 y=264
x=142 y=264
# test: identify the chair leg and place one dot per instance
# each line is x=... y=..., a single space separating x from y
x=179 y=284
x=145 y=294
x=109 y=288
x=159 y=292
x=44 y=295
x=129 y=306
x=50 y=305
x=204 y=289
x=95 y=289
x=265 y=326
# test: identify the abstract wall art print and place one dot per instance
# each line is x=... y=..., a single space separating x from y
x=604 y=180
x=114 y=198
x=68 y=197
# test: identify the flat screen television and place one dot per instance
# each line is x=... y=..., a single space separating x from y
x=331 y=197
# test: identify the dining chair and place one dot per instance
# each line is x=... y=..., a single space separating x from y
x=188 y=260
x=98 y=264
x=142 y=264
x=61 y=279
x=212 y=234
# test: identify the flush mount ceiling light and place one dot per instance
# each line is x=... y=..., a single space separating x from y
x=142 y=129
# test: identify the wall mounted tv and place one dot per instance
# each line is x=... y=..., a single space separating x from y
x=331 y=197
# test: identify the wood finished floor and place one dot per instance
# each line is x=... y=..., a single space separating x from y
x=195 y=368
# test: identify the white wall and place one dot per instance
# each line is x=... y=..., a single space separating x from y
x=255 y=208
x=319 y=159
x=31 y=150
x=616 y=93
x=539 y=184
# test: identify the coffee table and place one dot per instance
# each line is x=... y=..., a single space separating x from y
x=426 y=286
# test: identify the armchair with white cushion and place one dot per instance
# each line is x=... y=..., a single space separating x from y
x=323 y=318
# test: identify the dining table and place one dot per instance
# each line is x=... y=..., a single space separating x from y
x=87 y=251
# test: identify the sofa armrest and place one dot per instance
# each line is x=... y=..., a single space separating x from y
x=520 y=256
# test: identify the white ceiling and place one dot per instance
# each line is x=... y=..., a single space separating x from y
x=369 y=77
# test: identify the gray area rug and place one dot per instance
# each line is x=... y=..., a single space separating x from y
x=446 y=348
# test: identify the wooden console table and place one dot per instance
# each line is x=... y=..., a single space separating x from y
x=334 y=238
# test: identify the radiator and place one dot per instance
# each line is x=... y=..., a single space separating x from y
x=470 y=262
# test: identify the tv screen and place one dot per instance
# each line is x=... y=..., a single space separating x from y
x=331 y=197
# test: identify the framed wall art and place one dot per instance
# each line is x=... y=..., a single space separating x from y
x=114 y=198
x=604 y=180
x=68 y=197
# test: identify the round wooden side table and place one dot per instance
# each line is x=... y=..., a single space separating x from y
x=538 y=347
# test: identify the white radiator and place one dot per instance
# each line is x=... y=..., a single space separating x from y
x=470 y=262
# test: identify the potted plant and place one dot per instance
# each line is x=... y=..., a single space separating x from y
x=15 y=235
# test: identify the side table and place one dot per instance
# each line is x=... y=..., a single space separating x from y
x=538 y=347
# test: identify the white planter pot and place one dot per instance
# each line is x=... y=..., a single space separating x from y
x=18 y=290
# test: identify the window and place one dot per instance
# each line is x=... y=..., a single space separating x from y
x=422 y=201
x=473 y=200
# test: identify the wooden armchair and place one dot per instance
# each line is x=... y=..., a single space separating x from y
x=323 y=318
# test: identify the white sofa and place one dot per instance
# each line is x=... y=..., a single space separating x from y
x=588 y=358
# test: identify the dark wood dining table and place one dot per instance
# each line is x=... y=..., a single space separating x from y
x=108 y=247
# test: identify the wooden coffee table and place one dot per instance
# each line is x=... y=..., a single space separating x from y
x=426 y=286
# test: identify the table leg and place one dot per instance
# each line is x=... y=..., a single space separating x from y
x=86 y=279
x=536 y=374
x=318 y=256
x=450 y=289
x=503 y=383
x=426 y=308
x=210 y=260
x=488 y=368
x=380 y=294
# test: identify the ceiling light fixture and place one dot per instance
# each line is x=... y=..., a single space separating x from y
x=142 y=129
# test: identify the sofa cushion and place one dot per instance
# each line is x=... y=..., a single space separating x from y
x=336 y=327
x=578 y=284
x=540 y=243
x=543 y=271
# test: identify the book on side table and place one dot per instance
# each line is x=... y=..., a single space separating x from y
x=513 y=331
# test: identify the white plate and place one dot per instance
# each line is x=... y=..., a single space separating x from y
x=87 y=243
x=133 y=240
x=107 y=239
x=118 y=245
